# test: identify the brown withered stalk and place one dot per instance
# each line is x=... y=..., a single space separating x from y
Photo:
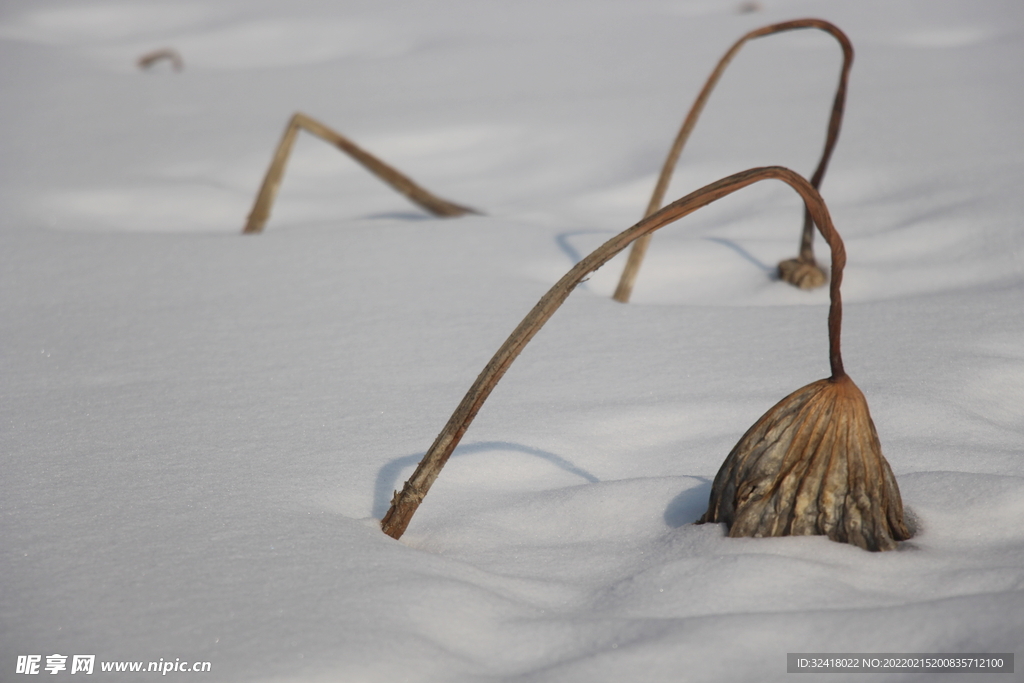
x=801 y=271
x=170 y=54
x=843 y=435
x=400 y=182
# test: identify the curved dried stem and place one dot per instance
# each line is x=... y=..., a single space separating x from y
x=404 y=504
x=804 y=280
x=170 y=54
x=400 y=182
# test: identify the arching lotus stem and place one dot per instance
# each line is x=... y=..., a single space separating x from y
x=404 y=504
x=400 y=182
x=801 y=271
x=170 y=54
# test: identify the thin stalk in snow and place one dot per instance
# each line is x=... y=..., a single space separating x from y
x=404 y=504
x=400 y=182
x=170 y=54
x=802 y=271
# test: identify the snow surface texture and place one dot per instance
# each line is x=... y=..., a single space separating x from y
x=199 y=430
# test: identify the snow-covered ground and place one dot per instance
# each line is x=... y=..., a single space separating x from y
x=199 y=431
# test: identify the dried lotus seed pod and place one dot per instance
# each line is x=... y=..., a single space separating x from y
x=812 y=465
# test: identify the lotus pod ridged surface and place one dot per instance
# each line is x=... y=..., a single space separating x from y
x=812 y=465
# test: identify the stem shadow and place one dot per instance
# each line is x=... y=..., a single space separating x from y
x=400 y=216
x=771 y=270
x=562 y=239
x=387 y=477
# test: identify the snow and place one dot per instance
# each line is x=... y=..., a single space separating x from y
x=199 y=431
